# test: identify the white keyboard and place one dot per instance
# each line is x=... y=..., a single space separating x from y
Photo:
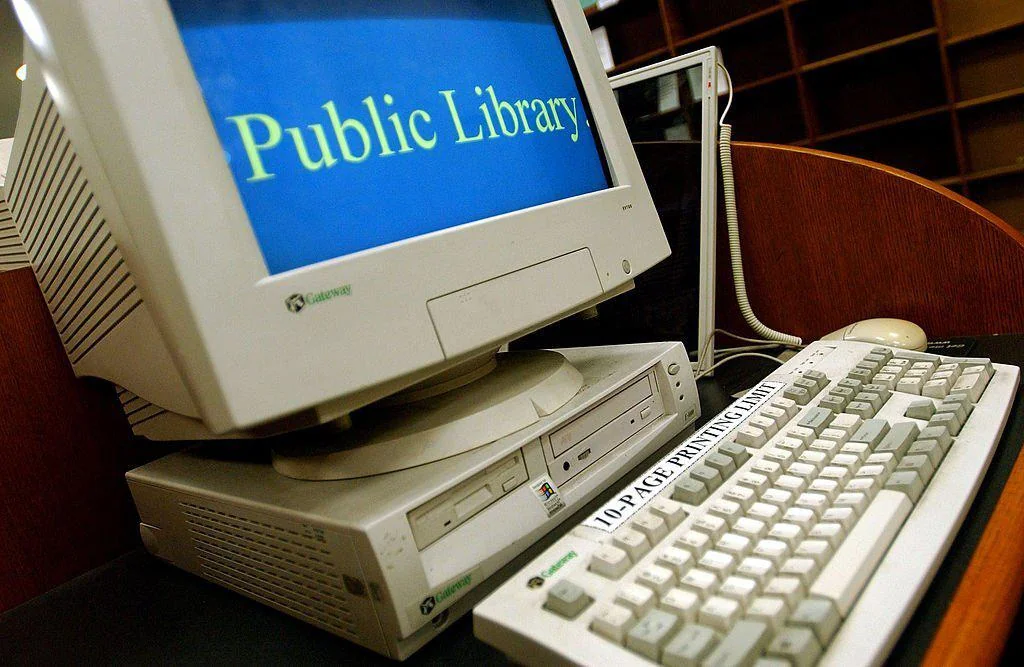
x=800 y=526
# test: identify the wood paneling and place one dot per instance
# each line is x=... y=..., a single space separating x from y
x=64 y=447
x=829 y=240
x=978 y=621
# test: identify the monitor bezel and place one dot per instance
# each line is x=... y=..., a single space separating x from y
x=708 y=59
x=124 y=85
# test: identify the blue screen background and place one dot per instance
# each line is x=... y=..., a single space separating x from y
x=287 y=58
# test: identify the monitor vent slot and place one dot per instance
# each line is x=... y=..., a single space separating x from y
x=77 y=263
x=275 y=565
x=137 y=409
x=12 y=254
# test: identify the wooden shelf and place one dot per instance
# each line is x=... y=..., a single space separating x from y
x=707 y=34
x=764 y=81
x=983 y=32
x=929 y=86
x=641 y=59
x=874 y=48
x=885 y=122
x=989 y=99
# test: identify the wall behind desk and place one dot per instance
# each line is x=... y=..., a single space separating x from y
x=64 y=448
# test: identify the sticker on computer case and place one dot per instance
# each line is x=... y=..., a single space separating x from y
x=659 y=477
x=547 y=493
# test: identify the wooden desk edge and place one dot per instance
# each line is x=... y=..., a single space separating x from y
x=977 y=624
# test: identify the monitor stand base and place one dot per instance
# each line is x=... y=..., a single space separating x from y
x=493 y=398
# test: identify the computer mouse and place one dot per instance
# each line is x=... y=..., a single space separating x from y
x=883 y=331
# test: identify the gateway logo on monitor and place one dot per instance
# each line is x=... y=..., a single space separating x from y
x=297 y=302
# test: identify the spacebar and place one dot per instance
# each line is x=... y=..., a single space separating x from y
x=849 y=570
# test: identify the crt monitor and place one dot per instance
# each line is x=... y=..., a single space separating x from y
x=260 y=216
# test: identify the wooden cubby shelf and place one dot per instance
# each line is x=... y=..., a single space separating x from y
x=935 y=87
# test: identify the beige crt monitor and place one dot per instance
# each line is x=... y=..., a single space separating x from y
x=146 y=147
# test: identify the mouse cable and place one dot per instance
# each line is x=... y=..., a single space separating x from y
x=732 y=220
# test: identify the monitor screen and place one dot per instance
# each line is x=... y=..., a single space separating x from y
x=354 y=126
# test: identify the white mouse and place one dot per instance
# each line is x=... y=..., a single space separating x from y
x=883 y=331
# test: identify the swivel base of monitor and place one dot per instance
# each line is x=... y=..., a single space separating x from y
x=506 y=394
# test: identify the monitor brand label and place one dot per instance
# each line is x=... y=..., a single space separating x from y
x=646 y=487
x=296 y=303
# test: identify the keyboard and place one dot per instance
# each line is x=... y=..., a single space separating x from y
x=800 y=526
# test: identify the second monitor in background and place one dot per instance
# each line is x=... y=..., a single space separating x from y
x=671 y=114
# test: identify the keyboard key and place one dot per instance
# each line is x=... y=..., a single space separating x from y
x=769 y=610
x=908 y=482
x=612 y=621
x=738 y=546
x=817 y=550
x=772 y=550
x=609 y=561
x=763 y=512
x=919 y=464
x=961 y=405
x=971 y=385
x=858 y=502
x=844 y=516
x=836 y=435
x=659 y=579
x=798 y=395
x=804 y=569
x=801 y=516
x=689 y=647
x=706 y=475
x=816 y=419
x=842 y=579
x=852 y=383
x=886 y=459
x=727 y=509
x=948 y=420
x=789 y=406
x=789 y=533
x=859 y=449
x=832 y=533
x=871 y=432
x=694 y=541
x=670 y=511
x=883 y=352
x=652 y=632
x=870 y=397
x=756 y=482
x=819 y=616
x=769 y=469
x=714 y=526
x=718 y=563
x=899 y=438
x=638 y=599
x=910 y=385
x=690 y=490
x=682 y=604
x=738 y=454
x=632 y=542
x=760 y=570
x=929 y=448
x=778 y=497
x=741 y=646
x=720 y=462
x=938 y=433
x=803 y=434
x=740 y=589
x=652 y=526
x=701 y=582
x=677 y=560
x=920 y=410
x=810 y=385
x=741 y=495
x=750 y=436
x=750 y=527
x=719 y=613
x=567 y=599
x=826 y=487
x=817 y=377
x=847 y=423
x=790 y=589
x=766 y=424
x=777 y=415
x=834 y=404
x=936 y=388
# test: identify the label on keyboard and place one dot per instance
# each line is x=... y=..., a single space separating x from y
x=647 y=486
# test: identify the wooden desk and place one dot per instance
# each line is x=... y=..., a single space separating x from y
x=892 y=245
